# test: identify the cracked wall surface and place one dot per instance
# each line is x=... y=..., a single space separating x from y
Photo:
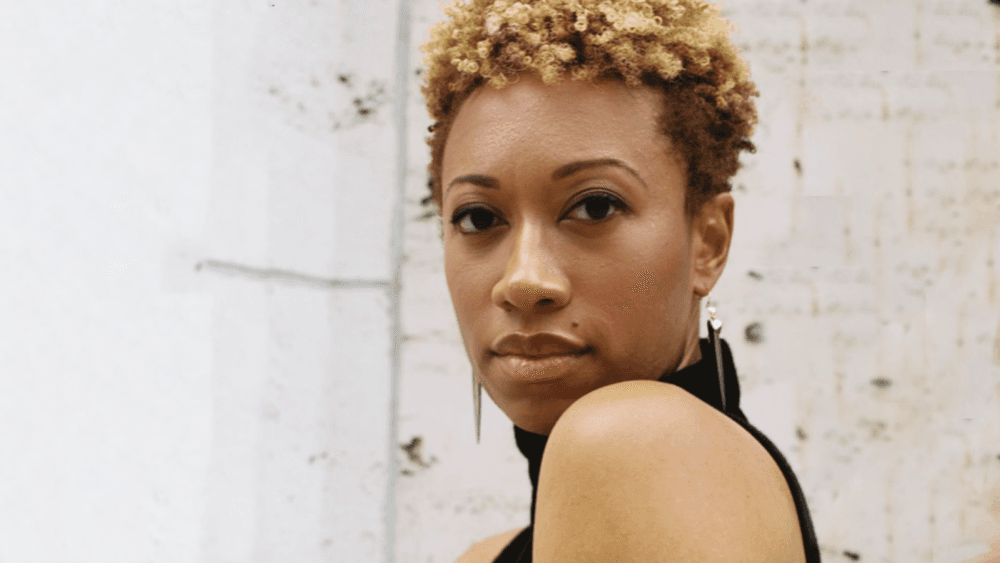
x=218 y=346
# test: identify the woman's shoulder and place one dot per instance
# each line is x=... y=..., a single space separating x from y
x=485 y=551
x=646 y=468
x=646 y=409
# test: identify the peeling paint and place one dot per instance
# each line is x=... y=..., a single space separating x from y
x=754 y=333
x=882 y=382
x=414 y=455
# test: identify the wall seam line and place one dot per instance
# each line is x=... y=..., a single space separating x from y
x=402 y=66
x=275 y=274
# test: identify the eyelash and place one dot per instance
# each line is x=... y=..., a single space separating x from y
x=611 y=200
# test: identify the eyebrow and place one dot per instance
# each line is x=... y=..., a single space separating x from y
x=560 y=173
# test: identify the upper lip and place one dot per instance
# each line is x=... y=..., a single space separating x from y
x=537 y=345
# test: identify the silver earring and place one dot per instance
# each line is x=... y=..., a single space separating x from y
x=477 y=401
x=714 y=328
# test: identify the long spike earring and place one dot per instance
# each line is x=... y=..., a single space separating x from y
x=714 y=328
x=477 y=401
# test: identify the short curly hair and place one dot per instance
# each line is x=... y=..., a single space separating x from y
x=681 y=47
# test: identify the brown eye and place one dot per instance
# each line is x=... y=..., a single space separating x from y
x=474 y=220
x=596 y=207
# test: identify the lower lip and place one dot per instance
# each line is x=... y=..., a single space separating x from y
x=529 y=369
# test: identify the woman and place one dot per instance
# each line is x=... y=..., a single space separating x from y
x=581 y=159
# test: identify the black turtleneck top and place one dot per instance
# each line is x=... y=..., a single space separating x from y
x=701 y=379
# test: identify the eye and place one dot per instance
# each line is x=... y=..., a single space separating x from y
x=596 y=207
x=472 y=220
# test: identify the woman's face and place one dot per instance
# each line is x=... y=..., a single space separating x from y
x=569 y=257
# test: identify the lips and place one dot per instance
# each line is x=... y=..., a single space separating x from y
x=538 y=345
x=537 y=357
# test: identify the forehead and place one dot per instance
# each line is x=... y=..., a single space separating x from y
x=530 y=122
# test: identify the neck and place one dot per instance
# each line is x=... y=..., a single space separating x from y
x=692 y=354
x=692 y=348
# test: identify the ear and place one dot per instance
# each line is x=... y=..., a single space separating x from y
x=712 y=233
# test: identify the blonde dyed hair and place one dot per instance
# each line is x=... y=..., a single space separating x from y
x=681 y=47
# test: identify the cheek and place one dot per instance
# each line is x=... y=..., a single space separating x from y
x=647 y=319
x=466 y=283
x=651 y=279
x=650 y=301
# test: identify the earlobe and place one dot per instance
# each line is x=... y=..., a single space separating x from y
x=713 y=233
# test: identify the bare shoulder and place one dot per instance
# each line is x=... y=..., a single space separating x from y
x=645 y=471
x=485 y=551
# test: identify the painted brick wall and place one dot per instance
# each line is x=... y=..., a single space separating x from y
x=201 y=289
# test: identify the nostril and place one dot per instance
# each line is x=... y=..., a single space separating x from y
x=546 y=302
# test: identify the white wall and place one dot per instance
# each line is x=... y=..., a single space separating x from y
x=199 y=321
x=196 y=230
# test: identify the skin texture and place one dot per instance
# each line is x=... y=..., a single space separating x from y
x=622 y=276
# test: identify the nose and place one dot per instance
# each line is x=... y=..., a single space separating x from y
x=532 y=277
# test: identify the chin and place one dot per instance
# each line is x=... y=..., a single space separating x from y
x=537 y=412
